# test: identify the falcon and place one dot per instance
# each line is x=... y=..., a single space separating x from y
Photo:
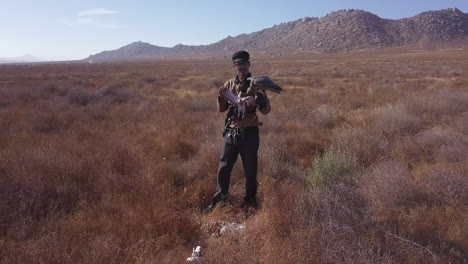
x=264 y=82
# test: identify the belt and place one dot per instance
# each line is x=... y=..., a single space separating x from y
x=240 y=130
x=238 y=134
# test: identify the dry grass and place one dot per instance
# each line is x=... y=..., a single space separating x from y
x=362 y=160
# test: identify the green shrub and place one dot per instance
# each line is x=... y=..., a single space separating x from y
x=332 y=167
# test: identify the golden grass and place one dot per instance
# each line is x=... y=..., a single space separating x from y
x=112 y=163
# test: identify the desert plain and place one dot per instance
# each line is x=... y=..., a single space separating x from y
x=362 y=160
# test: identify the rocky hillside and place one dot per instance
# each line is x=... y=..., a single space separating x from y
x=343 y=30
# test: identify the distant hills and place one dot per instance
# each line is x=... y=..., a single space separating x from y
x=344 y=30
x=31 y=59
x=25 y=58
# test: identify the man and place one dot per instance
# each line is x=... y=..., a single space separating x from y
x=241 y=132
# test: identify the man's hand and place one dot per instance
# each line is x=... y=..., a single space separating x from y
x=260 y=99
x=221 y=90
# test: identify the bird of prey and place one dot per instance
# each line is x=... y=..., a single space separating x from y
x=264 y=82
x=238 y=102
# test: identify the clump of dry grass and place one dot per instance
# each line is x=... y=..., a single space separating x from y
x=116 y=93
x=200 y=105
x=325 y=117
x=441 y=144
x=439 y=104
x=431 y=146
x=341 y=215
x=50 y=122
x=387 y=186
x=334 y=166
x=56 y=88
x=277 y=162
x=395 y=120
x=443 y=183
x=367 y=144
x=78 y=96
x=460 y=123
x=408 y=210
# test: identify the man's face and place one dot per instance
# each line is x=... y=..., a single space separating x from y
x=242 y=68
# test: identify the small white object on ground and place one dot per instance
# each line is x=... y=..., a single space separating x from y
x=219 y=228
x=197 y=255
x=233 y=228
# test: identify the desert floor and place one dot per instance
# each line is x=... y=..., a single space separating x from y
x=364 y=159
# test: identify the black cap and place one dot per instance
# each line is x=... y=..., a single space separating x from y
x=241 y=56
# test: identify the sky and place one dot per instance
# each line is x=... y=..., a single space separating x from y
x=75 y=29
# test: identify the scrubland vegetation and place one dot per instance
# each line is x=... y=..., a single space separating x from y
x=362 y=160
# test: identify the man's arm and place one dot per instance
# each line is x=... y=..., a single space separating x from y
x=262 y=101
x=223 y=104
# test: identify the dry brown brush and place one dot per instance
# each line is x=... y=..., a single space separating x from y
x=362 y=160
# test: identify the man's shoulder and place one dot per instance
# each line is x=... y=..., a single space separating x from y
x=230 y=82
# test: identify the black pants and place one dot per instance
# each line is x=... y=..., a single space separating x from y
x=244 y=142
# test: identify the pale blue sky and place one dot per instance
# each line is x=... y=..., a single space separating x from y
x=78 y=28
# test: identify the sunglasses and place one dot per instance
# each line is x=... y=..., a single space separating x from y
x=241 y=63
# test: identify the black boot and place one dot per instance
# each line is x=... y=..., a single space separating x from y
x=209 y=208
x=249 y=205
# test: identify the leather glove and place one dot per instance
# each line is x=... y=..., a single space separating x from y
x=260 y=100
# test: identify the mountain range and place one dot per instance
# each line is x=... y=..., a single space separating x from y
x=30 y=58
x=344 y=30
x=25 y=58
